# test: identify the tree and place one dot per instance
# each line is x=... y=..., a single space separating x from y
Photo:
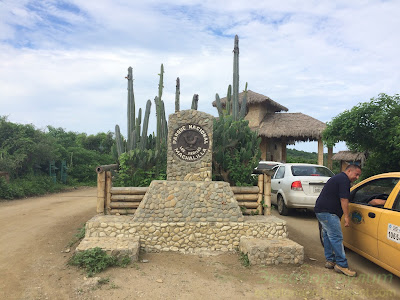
x=372 y=128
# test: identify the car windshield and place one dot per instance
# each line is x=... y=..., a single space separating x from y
x=311 y=171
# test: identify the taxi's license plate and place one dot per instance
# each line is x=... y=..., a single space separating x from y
x=393 y=233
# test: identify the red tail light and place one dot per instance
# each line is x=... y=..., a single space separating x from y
x=296 y=186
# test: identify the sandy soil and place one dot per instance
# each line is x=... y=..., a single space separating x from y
x=35 y=232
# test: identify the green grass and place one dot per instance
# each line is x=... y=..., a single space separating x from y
x=96 y=260
x=79 y=235
x=244 y=259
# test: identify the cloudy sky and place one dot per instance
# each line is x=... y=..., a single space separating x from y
x=63 y=63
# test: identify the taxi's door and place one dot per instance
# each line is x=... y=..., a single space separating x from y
x=363 y=231
x=365 y=219
x=389 y=232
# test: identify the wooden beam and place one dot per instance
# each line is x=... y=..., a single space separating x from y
x=124 y=205
x=122 y=211
x=129 y=190
x=248 y=197
x=248 y=204
x=128 y=198
x=245 y=189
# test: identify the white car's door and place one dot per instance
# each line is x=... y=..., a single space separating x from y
x=276 y=182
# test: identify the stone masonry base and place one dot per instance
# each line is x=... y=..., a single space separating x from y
x=263 y=238
x=113 y=246
x=271 y=251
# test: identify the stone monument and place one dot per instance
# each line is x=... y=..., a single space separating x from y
x=188 y=194
x=189 y=212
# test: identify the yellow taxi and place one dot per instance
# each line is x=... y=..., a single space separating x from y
x=374 y=230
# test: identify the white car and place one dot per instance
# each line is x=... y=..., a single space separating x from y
x=297 y=185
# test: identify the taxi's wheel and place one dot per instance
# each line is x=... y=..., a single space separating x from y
x=282 y=208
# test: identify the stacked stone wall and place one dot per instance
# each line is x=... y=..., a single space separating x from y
x=187 y=237
x=188 y=201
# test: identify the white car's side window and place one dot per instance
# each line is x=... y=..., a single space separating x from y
x=280 y=173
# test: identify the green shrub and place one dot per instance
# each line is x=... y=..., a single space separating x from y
x=96 y=260
x=236 y=151
x=32 y=185
x=139 y=167
x=244 y=259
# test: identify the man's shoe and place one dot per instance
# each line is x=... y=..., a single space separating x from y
x=345 y=271
x=330 y=264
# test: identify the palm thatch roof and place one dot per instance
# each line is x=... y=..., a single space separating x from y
x=349 y=156
x=254 y=98
x=291 y=126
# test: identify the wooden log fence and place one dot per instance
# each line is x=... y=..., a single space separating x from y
x=125 y=200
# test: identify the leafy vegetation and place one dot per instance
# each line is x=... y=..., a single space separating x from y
x=139 y=167
x=244 y=259
x=79 y=235
x=236 y=151
x=96 y=260
x=26 y=152
x=372 y=128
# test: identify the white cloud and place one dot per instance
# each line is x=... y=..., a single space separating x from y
x=63 y=64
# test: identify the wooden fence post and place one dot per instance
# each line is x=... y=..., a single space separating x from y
x=267 y=194
x=108 y=192
x=260 y=192
x=101 y=192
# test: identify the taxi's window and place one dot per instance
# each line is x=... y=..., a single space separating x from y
x=396 y=205
x=379 y=188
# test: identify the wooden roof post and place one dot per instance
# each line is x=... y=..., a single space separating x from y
x=320 y=152
x=330 y=154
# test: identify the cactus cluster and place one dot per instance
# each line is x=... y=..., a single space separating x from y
x=232 y=98
x=137 y=137
x=135 y=140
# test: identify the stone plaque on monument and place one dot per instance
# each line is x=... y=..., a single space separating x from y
x=189 y=155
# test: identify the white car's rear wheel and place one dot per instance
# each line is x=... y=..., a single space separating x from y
x=282 y=208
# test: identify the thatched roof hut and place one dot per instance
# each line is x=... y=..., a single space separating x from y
x=291 y=126
x=277 y=128
x=256 y=98
x=349 y=156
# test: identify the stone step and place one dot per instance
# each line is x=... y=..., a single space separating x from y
x=116 y=246
x=271 y=251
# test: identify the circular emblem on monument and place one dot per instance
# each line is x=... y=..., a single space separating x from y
x=190 y=142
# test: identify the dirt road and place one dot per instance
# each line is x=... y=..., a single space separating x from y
x=35 y=232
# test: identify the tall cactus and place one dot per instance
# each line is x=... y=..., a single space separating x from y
x=143 y=140
x=229 y=100
x=131 y=109
x=243 y=106
x=235 y=85
x=195 y=101
x=177 y=94
x=118 y=140
x=162 y=130
x=219 y=105
x=137 y=127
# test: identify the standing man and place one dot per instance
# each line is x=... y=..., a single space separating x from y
x=331 y=204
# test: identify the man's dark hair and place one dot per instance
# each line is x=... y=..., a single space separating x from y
x=352 y=167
